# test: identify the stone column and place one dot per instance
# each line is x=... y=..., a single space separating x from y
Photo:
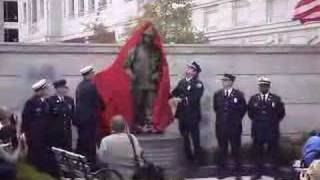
x=54 y=18
x=1 y=21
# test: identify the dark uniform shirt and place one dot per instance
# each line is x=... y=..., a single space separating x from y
x=266 y=116
x=61 y=116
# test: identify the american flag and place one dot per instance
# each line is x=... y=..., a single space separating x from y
x=307 y=11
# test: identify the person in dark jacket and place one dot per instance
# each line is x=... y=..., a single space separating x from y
x=88 y=101
x=230 y=107
x=266 y=110
x=188 y=94
x=62 y=109
x=35 y=116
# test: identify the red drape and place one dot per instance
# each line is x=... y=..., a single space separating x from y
x=113 y=84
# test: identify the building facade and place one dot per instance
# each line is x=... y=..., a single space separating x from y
x=74 y=20
x=252 y=22
x=9 y=27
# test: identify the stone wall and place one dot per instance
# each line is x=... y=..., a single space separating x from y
x=294 y=70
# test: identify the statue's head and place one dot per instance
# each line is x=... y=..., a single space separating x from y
x=148 y=35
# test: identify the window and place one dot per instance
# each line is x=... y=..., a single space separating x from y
x=41 y=8
x=241 y=12
x=11 y=35
x=10 y=11
x=211 y=18
x=81 y=7
x=34 y=11
x=275 y=12
x=91 y=5
x=71 y=8
x=24 y=13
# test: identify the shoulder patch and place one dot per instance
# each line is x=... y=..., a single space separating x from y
x=199 y=85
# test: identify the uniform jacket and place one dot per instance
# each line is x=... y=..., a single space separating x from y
x=229 y=109
x=266 y=116
x=189 y=110
x=88 y=102
x=61 y=117
x=34 y=121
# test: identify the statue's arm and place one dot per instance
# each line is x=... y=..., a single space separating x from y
x=129 y=63
x=156 y=71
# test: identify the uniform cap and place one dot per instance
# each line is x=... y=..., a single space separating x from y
x=264 y=80
x=86 y=70
x=40 y=85
x=60 y=83
x=228 y=77
x=195 y=66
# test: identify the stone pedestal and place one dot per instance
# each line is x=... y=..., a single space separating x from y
x=165 y=150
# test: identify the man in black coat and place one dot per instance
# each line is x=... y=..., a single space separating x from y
x=88 y=102
x=230 y=107
x=62 y=109
x=35 y=116
x=188 y=94
x=266 y=110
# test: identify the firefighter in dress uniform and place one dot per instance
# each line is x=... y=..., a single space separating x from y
x=266 y=110
x=35 y=116
x=230 y=107
x=188 y=94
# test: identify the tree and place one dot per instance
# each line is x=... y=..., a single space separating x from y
x=173 y=20
x=101 y=32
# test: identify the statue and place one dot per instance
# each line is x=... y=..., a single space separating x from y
x=137 y=84
x=143 y=67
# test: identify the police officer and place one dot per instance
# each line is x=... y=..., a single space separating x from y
x=88 y=103
x=266 y=110
x=61 y=109
x=230 y=107
x=188 y=93
x=34 y=124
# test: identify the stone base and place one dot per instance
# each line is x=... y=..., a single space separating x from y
x=165 y=150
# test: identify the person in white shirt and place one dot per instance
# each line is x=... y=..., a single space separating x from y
x=116 y=151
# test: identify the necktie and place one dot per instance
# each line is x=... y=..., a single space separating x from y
x=264 y=98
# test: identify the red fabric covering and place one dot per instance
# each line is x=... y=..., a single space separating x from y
x=113 y=84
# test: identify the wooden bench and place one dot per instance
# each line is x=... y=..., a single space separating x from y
x=77 y=166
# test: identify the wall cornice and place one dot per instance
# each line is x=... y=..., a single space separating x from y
x=72 y=48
